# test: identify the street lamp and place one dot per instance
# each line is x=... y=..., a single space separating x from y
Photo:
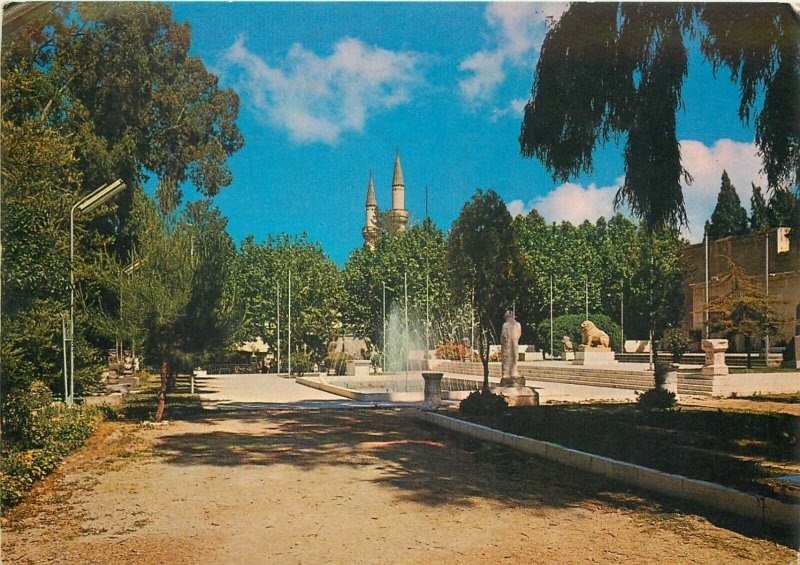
x=84 y=206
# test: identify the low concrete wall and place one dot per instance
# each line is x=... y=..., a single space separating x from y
x=324 y=384
x=744 y=384
x=762 y=509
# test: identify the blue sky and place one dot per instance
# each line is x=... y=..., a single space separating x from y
x=328 y=91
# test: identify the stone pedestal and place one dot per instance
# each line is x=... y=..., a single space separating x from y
x=594 y=358
x=567 y=355
x=796 y=344
x=518 y=395
x=531 y=356
x=358 y=368
x=433 y=390
x=715 y=357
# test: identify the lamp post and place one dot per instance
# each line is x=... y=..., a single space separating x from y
x=84 y=206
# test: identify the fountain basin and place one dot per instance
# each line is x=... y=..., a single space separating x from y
x=388 y=388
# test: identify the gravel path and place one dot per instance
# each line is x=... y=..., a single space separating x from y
x=343 y=486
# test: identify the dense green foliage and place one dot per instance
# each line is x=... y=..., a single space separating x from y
x=260 y=276
x=759 y=214
x=570 y=325
x=729 y=217
x=37 y=436
x=615 y=261
x=610 y=71
x=485 y=262
x=483 y=404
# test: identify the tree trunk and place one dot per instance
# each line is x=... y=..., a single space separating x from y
x=748 y=348
x=484 y=351
x=162 y=391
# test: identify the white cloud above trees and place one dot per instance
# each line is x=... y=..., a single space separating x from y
x=318 y=98
x=575 y=202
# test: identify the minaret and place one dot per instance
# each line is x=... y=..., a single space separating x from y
x=370 y=229
x=398 y=215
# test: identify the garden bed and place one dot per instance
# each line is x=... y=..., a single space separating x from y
x=743 y=450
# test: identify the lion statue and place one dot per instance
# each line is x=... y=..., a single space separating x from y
x=592 y=335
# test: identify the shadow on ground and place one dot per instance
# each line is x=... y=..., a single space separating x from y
x=424 y=463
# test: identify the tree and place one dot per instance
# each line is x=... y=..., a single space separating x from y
x=728 y=218
x=160 y=289
x=743 y=310
x=616 y=70
x=782 y=206
x=485 y=262
x=759 y=213
x=416 y=256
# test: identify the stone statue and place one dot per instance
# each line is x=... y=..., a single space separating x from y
x=593 y=338
x=566 y=343
x=509 y=340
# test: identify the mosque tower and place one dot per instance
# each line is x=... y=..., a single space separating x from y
x=397 y=217
x=370 y=229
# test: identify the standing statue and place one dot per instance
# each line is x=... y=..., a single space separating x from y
x=509 y=340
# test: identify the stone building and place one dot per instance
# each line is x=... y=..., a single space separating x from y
x=773 y=250
x=396 y=217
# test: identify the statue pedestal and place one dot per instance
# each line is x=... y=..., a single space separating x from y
x=358 y=368
x=433 y=390
x=594 y=358
x=567 y=355
x=715 y=357
x=518 y=395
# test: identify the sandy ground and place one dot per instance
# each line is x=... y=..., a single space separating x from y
x=340 y=485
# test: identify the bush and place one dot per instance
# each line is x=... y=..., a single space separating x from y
x=480 y=403
x=657 y=398
x=451 y=351
x=301 y=364
x=51 y=433
x=338 y=362
x=20 y=410
x=675 y=342
x=570 y=325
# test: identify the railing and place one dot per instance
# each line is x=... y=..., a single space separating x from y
x=231 y=368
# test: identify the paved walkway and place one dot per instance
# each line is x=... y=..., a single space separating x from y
x=252 y=390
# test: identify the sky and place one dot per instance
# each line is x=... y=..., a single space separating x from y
x=329 y=92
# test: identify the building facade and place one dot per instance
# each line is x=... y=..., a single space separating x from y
x=772 y=258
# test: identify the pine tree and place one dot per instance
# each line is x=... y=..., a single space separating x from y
x=781 y=211
x=729 y=218
x=759 y=215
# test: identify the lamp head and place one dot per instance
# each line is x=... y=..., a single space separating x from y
x=101 y=196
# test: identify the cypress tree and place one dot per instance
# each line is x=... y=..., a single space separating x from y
x=728 y=218
x=759 y=216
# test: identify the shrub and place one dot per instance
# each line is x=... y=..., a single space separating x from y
x=21 y=408
x=51 y=433
x=657 y=398
x=570 y=325
x=480 y=404
x=675 y=341
x=451 y=351
x=338 y=362
x=301 y=364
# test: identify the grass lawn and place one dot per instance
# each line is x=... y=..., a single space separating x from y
x=739 y=449
x=142 y=405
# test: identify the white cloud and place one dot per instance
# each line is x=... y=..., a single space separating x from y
x=318 y=98
x=706 y=164
x=571 y=202
x=517 y=30
x=575 y=203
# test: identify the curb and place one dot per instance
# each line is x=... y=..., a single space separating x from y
x=768 y=511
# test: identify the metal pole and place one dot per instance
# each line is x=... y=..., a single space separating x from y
x=71 y=397
x=64 y=345
x=405 y=289
x=586 y=281
x=427 y=311
x=551 y=318
x=278 y=315
x=622 y=317
x=384 y=326
x=766 y=293
x=705 y=240
x=289 y=351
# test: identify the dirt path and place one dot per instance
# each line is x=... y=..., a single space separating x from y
x=342 y=486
